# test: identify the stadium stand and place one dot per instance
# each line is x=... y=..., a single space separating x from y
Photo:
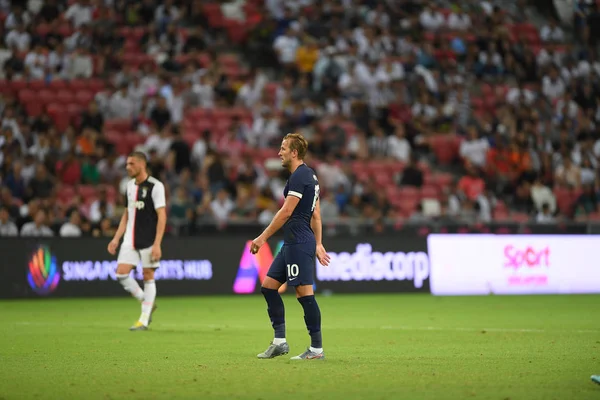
x=415 y=111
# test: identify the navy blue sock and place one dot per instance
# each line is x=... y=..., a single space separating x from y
x=312 y=318
x=276 y=311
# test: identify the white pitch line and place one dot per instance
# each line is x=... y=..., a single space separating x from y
x=385 y=327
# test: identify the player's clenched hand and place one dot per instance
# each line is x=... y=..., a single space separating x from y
x=322 y=255
x=156 y=253
x=112 y=246
x=256 y=245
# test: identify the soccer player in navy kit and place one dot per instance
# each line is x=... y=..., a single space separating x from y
x=300 y=217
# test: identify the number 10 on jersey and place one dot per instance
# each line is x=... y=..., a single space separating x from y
x=293 y=270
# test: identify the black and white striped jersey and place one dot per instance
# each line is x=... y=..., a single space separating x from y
x=142 y=202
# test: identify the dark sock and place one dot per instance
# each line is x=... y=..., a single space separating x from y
x=276 y=311
x=312 y=318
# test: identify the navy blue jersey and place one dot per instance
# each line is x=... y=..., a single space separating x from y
x=303 y=184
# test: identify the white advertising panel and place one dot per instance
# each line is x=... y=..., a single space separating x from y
x=513 y=264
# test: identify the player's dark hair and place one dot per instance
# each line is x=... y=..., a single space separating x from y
x=297 y=142
x=139 y=155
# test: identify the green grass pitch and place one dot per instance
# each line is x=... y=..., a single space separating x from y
x=378 y=347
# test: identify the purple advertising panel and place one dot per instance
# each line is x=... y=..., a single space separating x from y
x=513 y=264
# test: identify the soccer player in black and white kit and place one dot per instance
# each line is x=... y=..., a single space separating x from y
x=143 y=226
x=300 y=217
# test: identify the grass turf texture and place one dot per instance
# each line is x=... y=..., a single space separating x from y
x=378 y=347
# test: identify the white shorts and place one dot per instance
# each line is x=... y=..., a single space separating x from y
x=131 y=256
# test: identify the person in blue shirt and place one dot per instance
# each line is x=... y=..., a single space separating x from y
x=300 y=217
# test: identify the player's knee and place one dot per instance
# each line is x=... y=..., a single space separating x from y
x=304 y=290
x=124 y=269
x=148 y=274
x=271 y=284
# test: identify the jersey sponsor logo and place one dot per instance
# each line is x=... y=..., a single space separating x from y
x=43 y=274
x=364 y=264
x=139 y=205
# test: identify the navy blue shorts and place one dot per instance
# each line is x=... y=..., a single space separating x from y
x=295 y=263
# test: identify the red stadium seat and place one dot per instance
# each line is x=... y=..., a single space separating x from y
x=27 y=95
x=65 y=96
x=96 y=85
x=37 y=84
x=86 y=191
x=84 y=97
x=34 y=108
x=58 y=84
x=46 y=96
x=121 y=125
x=430 y=192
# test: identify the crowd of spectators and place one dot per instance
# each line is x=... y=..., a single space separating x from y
x=414 y=110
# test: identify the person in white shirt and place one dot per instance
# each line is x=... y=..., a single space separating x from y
x=205 y=92
x=552 y=85
x=120 y=104
x=566 y=107
x=251 y=92
x=59 y=61
x=81 y=65
x=491 y=56
x=80 y=13
x=389 y=70
x=17 y=17
x=549 y=55
x=7 y=227
x=552 y=32
x=378 y=17
x=36 y=62
x=542 y=195
x=431 y=19
x=286 y=47
x=37 y=227
x=264 y=129
x=71 y=228
x=474 y=149
x=424 y=108
x=221 y=207
x=159 y=142
x=18 y=38
x=200 y=149
x=398 y=145
x=176 y=103
x=515 y=96
x=459 y=21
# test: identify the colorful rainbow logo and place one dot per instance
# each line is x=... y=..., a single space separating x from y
x=253 y=267
x=43 y=276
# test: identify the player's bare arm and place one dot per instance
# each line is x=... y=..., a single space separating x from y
x=317 y=227
x=278 y=221
x=160 y=232
x=114 y=243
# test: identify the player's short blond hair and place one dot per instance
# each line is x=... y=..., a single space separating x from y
x=297 y=142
